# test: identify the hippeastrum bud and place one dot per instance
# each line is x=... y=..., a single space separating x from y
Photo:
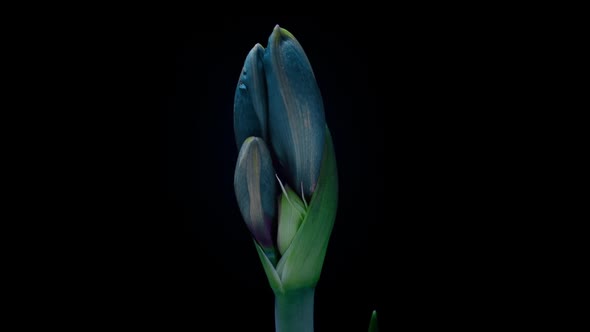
x=302 y=143
x=255 y=187
x=250 y=101
x=296 y=111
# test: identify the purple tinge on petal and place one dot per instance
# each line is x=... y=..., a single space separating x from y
x=262 y=232
x=255 y=188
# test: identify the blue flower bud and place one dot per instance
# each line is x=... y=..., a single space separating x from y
x=256 y=192
x=250 y=100
x=296 y=113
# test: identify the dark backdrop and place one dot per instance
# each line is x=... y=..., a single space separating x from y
x=412 y=157
x=221 y=269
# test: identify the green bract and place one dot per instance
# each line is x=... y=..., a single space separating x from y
x=301 y=265
x=291 y=213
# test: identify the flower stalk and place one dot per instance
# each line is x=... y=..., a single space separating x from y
x=294 y=310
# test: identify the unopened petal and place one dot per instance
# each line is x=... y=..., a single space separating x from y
x=250 y=99
x=296 y=112
x=255 y=188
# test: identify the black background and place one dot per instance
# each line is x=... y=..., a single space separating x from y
x=222 y=269
x=414 y=234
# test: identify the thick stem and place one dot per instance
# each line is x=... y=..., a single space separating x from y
x=294 y=311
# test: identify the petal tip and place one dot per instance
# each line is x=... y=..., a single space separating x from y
x=286 y=34
x=258 y=48
x=281 y=34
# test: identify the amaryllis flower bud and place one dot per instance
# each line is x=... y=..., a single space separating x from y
x=256 y=192
x=250 y=101
x=291 y=120
x=296 y=122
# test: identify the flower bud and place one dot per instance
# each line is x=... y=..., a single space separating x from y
x=250 y=100
x=255 y=188
x=296 y=111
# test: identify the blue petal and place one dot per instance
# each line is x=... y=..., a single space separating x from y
x=296 y=111
x=250 y=101
x=256 y=192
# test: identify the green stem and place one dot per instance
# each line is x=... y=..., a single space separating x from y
x=294 y=311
